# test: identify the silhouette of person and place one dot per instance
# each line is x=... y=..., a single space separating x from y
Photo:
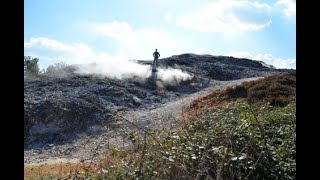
x=156 y=55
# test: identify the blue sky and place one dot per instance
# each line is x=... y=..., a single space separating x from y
x=82 y=31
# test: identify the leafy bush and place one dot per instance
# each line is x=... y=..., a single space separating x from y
x=239 y=142
x=236 y=92
x=278 y=90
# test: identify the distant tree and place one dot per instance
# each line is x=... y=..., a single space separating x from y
x=50 y=69
x=60 y=69
x=31 y=67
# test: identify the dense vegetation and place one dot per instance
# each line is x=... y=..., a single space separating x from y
x=237 y=142
x=248 y=138
x=277 y=90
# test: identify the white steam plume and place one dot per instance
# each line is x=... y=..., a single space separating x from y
x=115 y=69
x=122 y=69
x=172 y=76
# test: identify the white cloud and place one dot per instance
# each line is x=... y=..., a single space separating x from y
x=202 y=51
x=56 y=45
x=289 y=63
x=277 y=62
x=121 y=31
x=289 y=7
x=128 y=43
x=56 y=51
x=240 y=54
x=134 y=43
x=227 y=15
x=167 y=17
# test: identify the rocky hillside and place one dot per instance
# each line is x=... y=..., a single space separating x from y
x=223 y=68
x=55 y=107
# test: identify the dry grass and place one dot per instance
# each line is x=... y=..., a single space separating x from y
x=55 y=171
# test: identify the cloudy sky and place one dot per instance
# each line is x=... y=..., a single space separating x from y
x=86 y=31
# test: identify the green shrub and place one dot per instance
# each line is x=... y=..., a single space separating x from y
x=257 y=92
x=236 y=92
x=278 y=90
x=239 y=142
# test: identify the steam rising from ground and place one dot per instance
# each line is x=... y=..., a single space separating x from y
x=115 y=69
x=132 y=70
x=172 y=76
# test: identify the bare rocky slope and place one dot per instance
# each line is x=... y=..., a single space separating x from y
x=223 y=68
x=63 y=114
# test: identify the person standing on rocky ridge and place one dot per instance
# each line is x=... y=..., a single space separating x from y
x=156 y=55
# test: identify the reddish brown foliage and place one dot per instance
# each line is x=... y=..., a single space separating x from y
x=278 y=90
x=204 y=104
